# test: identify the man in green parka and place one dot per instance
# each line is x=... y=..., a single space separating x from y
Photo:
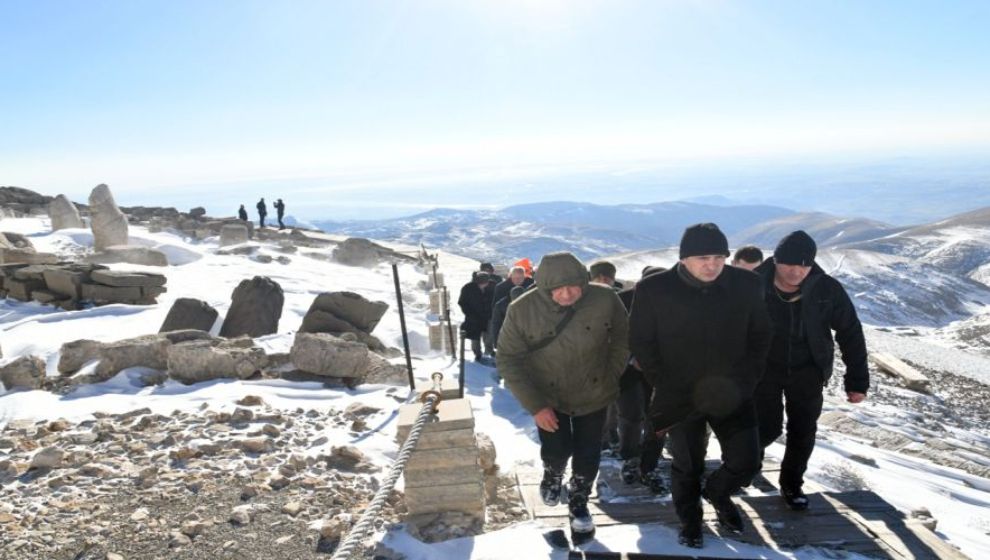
x=562 y=349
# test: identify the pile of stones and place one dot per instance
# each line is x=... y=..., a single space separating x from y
x=71 y=286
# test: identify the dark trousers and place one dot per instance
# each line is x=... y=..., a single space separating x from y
x=476 y=345
x=280 y=224
x=799 y=392
x=737 y=435
x=261 y=220
x=578 y=438
x=637 y=438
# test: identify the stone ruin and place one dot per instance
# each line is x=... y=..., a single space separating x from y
x=71 y=286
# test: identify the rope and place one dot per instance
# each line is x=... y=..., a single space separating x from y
x=347 y=546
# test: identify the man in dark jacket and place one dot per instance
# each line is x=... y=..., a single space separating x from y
x=475 y=302
x=280 y=212
x=640 y=447
x=499 y=310
x=561 y=351
x=701 y=333
x=262 y=211
x=242 y=213
x=805 y=305
x=517 y=277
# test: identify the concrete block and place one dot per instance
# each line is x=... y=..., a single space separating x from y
x=441 y=476
x=454 y=414
x=468 y=497
x=444 y=458
x=444 y=440
x=449 y=388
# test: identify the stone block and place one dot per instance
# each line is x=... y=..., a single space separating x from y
x=449 y=388
x=124 y=279
x=66 y=282
x=44 y=296
x=463 y=457
x=442 y=476
x=21 y=289
x=452 y=415
x=435 y=282
x=468 y=498
x=437 y=335
x=100 y=292
x=22 y=256
x=443 y=440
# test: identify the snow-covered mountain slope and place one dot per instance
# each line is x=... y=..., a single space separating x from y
x=531 y=230
x=826 y=229
x=960 y=244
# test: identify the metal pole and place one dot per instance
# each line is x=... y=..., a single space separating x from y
x=450 y=327
x=402 y=323
x=460 y=383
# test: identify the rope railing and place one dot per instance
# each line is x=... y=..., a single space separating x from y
x=430 y=399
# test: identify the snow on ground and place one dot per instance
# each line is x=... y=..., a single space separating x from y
x=958 y=500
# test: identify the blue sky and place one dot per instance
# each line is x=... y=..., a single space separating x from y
x=175 y=96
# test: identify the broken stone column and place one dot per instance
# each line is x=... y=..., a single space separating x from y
x=438 y=304
x=109 y=224
x=444 y=472
x=64 y=214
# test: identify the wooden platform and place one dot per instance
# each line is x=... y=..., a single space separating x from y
x=859 y=521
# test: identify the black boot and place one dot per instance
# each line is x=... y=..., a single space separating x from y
x=690 y=534
x=654 y=481
x=795 y=498
x=550 y=486
x=727 y=513
x=630 y=470
x=578 y=492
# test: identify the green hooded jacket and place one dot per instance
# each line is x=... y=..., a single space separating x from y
x=578 y=372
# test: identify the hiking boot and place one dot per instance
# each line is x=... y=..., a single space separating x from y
x=630 y=470
x=654 y=481
x=577 y=505
x=727 y=513
x=690 y=535
x=550 y=486
x=794 y=498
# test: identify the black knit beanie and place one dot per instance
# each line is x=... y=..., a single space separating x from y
x=797 y=248
x=703 y=239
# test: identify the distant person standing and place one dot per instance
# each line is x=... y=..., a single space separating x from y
x=280 y=212
x=748 y=257
x=242 y=213
x=476 y=303
x=262 y=212
x=806 y=305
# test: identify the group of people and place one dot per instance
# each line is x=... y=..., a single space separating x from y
x=263 y=212
x=701 y=346
x=485 y=300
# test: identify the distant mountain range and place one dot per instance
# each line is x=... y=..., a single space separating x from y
x=531 y=230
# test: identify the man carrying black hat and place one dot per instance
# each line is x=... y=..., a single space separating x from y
x=700 y=332
x=805 y=306
x=476 y=303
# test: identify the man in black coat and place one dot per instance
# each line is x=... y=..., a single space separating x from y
x=242 y=213
x=280 y=212
x=701 y=333
x=805 y=306
x=640 y=447
x=517 y=277
x=262 y=211
x=476 y=303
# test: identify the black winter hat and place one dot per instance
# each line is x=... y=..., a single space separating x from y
x=797 y=248
x=703 y=239
x=480 y=277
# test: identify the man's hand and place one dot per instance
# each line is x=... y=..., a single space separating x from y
x=855 y=397
x=546 y=419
